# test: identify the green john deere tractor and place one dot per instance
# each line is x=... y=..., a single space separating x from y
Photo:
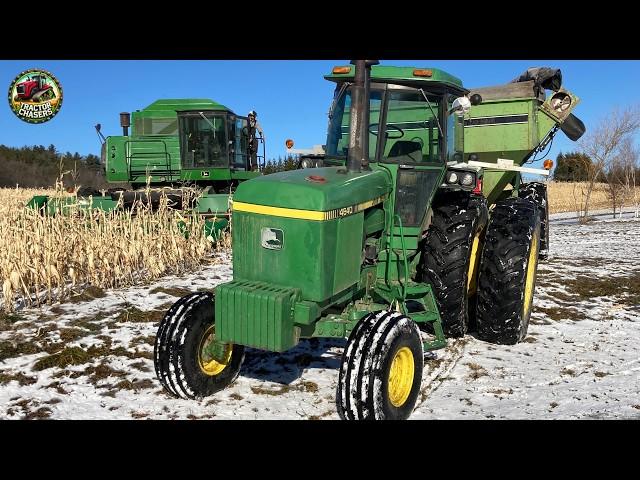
x=174 y=143
x=388 y=242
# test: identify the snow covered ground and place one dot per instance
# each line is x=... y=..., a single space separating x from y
x=92 y=358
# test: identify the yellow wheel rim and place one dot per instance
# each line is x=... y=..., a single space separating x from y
x=473 y=266
x=208 y=364
x=401 y=377
x=530 y=276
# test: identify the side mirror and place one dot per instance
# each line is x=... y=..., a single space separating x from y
x=461 y=106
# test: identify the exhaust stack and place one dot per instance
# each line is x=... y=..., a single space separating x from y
x=125 y=123
x=358 y=156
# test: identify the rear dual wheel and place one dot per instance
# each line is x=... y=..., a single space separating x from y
x=507 y=275
x=189 y=361
x=450 y=256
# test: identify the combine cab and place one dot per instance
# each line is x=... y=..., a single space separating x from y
x=175 y=146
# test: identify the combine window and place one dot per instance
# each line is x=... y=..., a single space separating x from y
x=156 y=126
x=203 y=140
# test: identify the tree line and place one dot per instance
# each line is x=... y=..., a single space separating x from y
x=41 y=167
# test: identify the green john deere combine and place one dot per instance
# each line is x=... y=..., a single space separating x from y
x=389 y=242
x=173 y=144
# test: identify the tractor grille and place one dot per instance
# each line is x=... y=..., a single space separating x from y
x=256 y=314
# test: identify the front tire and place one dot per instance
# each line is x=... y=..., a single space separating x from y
x=381 y=369
x=507 y=276
x=188 y=361
x=450 y=255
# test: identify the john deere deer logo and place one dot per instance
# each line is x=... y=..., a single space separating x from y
x=35 y=96
x=272 y=238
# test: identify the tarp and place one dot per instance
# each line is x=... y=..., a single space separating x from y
x=544 y=78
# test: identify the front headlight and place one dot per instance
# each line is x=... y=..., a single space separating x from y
x=307 y=163
x=452 y=177
x=467 y=179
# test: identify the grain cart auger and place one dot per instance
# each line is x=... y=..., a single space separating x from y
x=350 y=249
x=175 y=145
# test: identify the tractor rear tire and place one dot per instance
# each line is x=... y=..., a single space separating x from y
x=381 y=369
x=507 y=276
x=538 y=193
x=182 y=365
x=450 y=254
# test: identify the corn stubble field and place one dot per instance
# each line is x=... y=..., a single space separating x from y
x=82 y=300
x=48 y=258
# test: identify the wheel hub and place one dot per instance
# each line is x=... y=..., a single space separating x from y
x=213 y=356
x=401 y=377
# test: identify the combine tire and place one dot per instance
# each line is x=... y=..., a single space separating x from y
x=450 y=254
x=189 y=362
x=381 y=369
x=537 y=192
x=507 y=275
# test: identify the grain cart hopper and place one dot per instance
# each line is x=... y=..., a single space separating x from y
x=174 y=143
x=347 y=250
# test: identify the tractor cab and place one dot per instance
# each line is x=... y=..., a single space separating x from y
x=411 y=131
x=213 y=139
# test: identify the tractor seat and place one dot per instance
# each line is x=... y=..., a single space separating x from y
x=407 y=148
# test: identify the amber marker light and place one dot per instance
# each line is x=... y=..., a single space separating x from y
x=289 y=143
x=548 y=164
x=341 y=70
x=421 y=72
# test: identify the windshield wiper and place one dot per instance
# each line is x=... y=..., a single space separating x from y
x=432 y=112
x=343 y=88
x=213 y=127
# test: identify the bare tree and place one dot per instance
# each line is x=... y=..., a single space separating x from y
x=628 y=159
x=602 y=144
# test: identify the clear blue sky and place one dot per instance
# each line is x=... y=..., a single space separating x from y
x=291 y=97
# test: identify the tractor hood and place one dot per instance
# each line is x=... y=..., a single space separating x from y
x=315 y=189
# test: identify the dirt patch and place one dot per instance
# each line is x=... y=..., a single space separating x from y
x=39 y=414
x=625 y=288
x=68 y=356
x=7 y=320
x=561 y=313
x=69 y=335
x=174 y=292
x=133 y=314
x=103 y=371
x=321 y=416
x=305 y=386
x=19 y=377
x=477 y=371
x=500 y=391
x=135 y=385
x=601 y=374
x=88 y=294
x=236 y=396
x=11 y=349
x=142 y=366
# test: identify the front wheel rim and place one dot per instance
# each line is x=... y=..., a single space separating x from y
x=213 y=357
x=401 y=376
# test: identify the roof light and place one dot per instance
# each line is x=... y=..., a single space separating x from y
x=341 y=70
x=548 y=164
x=421 y=72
